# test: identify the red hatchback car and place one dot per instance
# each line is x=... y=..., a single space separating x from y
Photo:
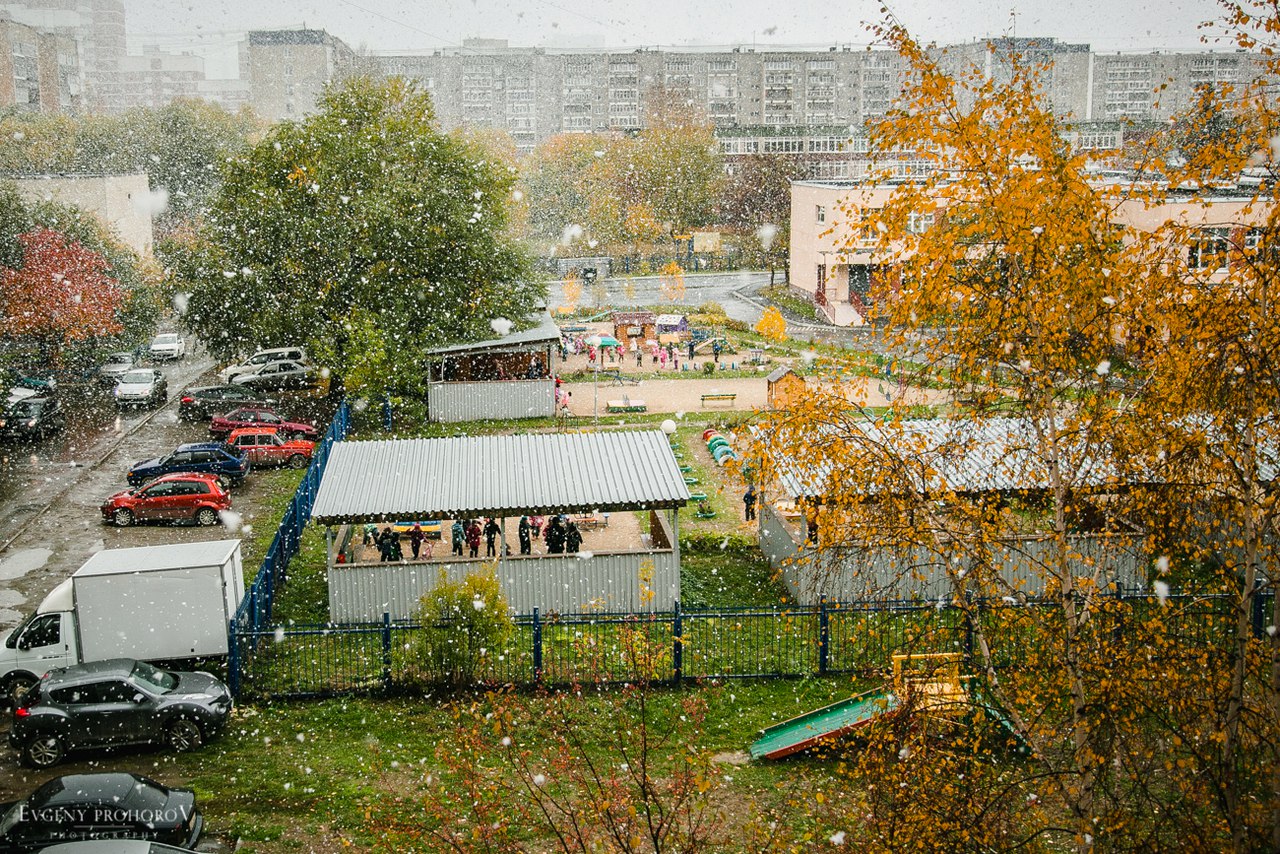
x=258 y=416
x=264 y=446
x=171 y=498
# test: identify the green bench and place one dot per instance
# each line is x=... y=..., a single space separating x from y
x=727 y=397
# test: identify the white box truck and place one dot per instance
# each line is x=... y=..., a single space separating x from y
x=155 y=603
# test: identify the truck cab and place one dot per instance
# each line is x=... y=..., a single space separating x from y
x=42 y=642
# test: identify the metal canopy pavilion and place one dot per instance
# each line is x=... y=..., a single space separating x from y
x=502 y=476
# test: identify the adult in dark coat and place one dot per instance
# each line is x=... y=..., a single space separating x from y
x=525 y=532
x=473 y=538
x=388 y=543
x=572 y=539
x=416 y=536
x=491 y=531
x=555 y=536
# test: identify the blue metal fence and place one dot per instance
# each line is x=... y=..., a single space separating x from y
x=726 y=643
x=257 y=607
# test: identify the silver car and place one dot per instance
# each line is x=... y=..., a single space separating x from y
x=116 y=366
x=142 y=387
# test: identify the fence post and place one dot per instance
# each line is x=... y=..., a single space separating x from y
x=233 y=660
x=824 y=636
x=386 y=651
x=677 y=641
x=1259 y=613
x=1117 y=634
x=968 y=630
x=537 y=647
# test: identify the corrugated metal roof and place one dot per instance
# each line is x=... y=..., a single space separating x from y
x=545 y=331
x=778 y=373
x=943 y=455
x=499 y=476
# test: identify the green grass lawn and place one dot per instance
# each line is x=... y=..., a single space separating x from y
x=291 y=775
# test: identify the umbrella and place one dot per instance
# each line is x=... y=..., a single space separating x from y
x=608 y=341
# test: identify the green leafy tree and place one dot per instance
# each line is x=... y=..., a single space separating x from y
x=182 y=147
x=756 y=201
x=628 y=191
x=465 y=624
x=363 y=208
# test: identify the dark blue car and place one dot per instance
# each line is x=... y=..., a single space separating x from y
x=216 y=458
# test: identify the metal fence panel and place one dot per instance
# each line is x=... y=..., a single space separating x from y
x=633 y=582
x=478 y=401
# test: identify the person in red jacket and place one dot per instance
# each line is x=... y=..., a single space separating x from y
x=473 y=538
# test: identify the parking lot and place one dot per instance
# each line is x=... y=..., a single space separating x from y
x=50 y=490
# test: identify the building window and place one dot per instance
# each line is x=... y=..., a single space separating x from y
x=1210 y=250
x=820 y=215
x=918 y=223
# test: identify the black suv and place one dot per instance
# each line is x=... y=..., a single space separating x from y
x=218 y=458
x=31 y=418
x=116 y=702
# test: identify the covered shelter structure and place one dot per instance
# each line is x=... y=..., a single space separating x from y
x=504 y=478
x=941 y=461
x=500 y=378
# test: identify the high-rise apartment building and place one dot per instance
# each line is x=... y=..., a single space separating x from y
x=785 y=94
x=39 y=72
x=288 y=69
x=97 y=27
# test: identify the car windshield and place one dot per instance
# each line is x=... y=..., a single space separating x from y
x=159 y=681
x=11 y=818
x=167 y=338
x=120 y=359
x=25 y=409
x=143 y=376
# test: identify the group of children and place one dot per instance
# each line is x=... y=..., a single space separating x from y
x=560 y=534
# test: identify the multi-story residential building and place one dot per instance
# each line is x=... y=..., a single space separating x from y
x=39 y=72
x=786 y=93
x=155 y=78
x=97 y=27
x=833 y=259
x=288 y=69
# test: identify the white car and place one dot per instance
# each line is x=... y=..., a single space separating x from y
x=260 y=358
x=167 y=345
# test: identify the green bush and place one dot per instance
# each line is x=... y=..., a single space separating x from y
x=464 y=623
x=708 y=367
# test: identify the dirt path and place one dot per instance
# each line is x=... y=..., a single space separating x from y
x=683 y=391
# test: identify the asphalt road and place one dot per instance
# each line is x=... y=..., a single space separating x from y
x=50 y=490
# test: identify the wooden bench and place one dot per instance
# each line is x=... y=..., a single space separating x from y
x=589 y=523
x=626 y=405
x=720 y=395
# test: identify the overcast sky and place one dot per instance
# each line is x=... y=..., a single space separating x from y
x=214 y=26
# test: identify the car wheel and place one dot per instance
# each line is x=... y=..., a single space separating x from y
x=123 y=517
x=17 y=687
x=44 y=751
x=184 y=734
x=297 y=461
x=206 y=517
